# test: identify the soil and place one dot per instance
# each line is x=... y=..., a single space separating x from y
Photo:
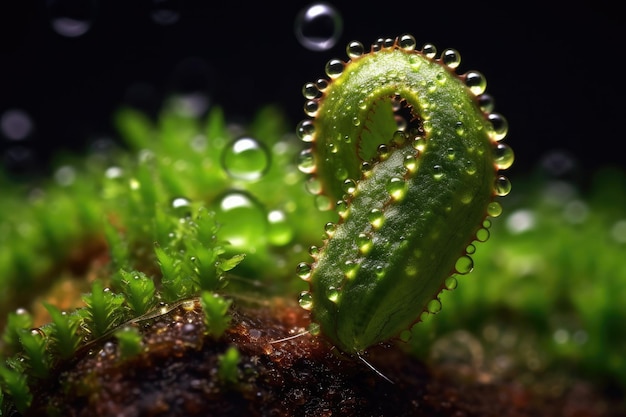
x=178 y=375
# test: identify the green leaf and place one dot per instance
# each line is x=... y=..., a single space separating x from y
x=216 y=316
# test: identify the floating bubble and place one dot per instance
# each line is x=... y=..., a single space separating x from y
x=245 y=158
x=165 y=12
x=16 y=124
x=71 y=18
x=318 y=26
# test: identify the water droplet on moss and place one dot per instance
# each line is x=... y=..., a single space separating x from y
x=245 y=158
x=181 y=206
x=242 y=220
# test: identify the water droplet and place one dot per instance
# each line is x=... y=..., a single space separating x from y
x=399 y=137
x=355 y=49
x=500 y=126
x=486 y=103
x=429 y=50
x=323 y=203
x=434 y=306
x=464 y=265
x=451 y=58
x=303 y=270
x=503 y=156
x=494 y=209
x=311 y=107
x=349 y=186
x=332 y=294
x=280 y=232
x=476 y=82
x=245 y=158
x=451 y=283
x=242 y=220
x=334 y=68
x=410 y=163
x=342 y=208
x=330 y=229
x=364 y=243
x=350 y=269
x=305 y=300
x=459 y=128
x=376 y=218
x=313 y=185
x=181 y=206
x=71 y=18
x=306 y=161
x=318 y=26
x=314 y=251
x=305 y=130
x=397 y=187
x=437 y=172
x=311 y=91
x=16 y=124
x=165 y=12
x=482 y=234
x=470 y=249
x=407 y=42
x=322 y=84
x=502 y=186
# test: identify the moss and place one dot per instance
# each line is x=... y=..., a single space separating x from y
x=157 y=279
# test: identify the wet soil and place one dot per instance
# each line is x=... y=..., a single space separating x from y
x=178 y=375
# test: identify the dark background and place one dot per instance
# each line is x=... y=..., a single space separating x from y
x=555 y=71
